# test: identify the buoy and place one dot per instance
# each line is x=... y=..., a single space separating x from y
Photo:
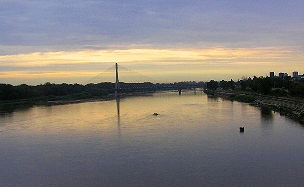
x=242 y=129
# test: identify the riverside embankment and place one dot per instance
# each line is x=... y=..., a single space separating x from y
x=288 y=106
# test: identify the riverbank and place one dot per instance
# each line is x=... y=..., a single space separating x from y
x=11 y=106
x=288 y=106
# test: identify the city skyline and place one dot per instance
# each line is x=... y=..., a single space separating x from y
x=73 y=41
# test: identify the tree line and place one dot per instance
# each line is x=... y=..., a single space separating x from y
x=265 y=85
x=50 y=91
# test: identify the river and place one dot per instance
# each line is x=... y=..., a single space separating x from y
x=194 y=141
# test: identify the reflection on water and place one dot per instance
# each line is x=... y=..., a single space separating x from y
x=118 y=117
x=267 y=117
x=266 y=112
x=194 y=141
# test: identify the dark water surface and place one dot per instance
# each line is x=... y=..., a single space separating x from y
x=194 y=141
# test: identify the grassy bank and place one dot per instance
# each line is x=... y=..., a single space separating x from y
x=288 y=106
x=20 y=104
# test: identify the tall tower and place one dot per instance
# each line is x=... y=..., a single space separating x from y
x=117 y=87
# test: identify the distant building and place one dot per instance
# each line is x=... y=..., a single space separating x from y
x=272 y=74
x=281 y=75
x=295 y=74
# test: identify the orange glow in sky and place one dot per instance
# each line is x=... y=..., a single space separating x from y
x=159 y=64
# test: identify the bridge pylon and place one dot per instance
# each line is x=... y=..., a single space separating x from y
x=117 y=86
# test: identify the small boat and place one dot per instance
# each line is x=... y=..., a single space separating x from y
x=242 y=129
x=155 y=114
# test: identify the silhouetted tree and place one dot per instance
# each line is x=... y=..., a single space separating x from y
x=232 y=84
x=212 y=85
x=244 y=84
x=264 y=85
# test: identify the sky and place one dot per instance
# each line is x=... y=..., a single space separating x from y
x=75 y=41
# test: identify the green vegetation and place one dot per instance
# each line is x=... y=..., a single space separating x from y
x=212 y=85
x=41 y=94
x=209 y=92
x=25 y=96
x=274 y=86
x=242 y=98
x=278 y=94
x=49 y=93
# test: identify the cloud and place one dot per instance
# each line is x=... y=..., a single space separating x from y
x=221 y=37
x=165 y=24
x=158 y=64
x=142 y=56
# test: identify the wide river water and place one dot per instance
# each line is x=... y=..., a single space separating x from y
x=194 y=141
